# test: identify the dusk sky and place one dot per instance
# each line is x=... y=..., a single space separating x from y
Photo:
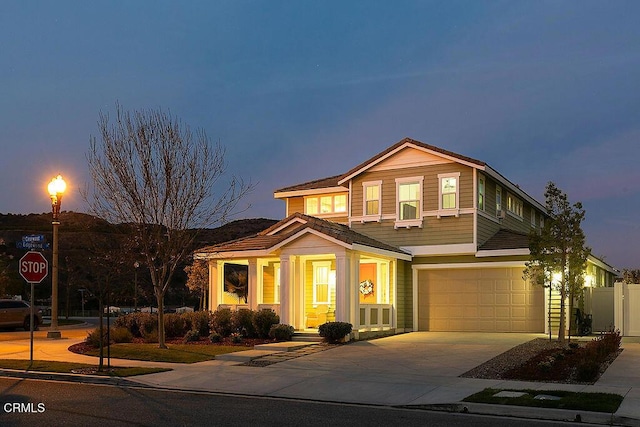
x=299 y=90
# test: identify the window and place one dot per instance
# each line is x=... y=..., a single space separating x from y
x=324 y=281
x=481 y=192
x=326 y=204
x=514 y=205
x=449 y=191
x=371 y=198
x=533 y=217
x=408 y=200
x=498 y=200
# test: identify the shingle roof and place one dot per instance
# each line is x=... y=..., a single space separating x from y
x=506 y=239
x=264 y=241
x=331 y=181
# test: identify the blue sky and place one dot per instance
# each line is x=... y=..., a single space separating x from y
x=299 y=90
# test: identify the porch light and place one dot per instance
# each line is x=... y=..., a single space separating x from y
x=588 y=281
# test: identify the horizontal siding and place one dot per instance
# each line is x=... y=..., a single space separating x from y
x=486 y=229
x=404 y=300
x=443 y=231
x=295 y=204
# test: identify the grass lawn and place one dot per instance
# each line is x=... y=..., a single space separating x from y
x=176 y=353
x=596 y=402
x=68 y=367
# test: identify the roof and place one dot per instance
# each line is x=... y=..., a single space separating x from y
x=506 y=239
x=299 y=223
x=331 y=181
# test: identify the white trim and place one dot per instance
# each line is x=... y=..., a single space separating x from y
x=442 y=176
x=453 y=265
x=236 y=254
x=417 y=222
x=309 y=231
x=602 y=264
x=414 y=278
x=383 y=252
x=402 y=147
x=503 y=252
x=475 y=204
x=454 y=249
x=310 y=192
x=286 y=224
x=450 y=212
x=512 y=187
x=371 y=217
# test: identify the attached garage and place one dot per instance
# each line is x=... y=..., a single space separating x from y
x=478 y=300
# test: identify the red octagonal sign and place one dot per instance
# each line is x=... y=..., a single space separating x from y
x=34 y=267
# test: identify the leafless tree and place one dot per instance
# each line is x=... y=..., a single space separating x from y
x=149 y=170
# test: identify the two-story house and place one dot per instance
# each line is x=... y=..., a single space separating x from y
x=415 y=238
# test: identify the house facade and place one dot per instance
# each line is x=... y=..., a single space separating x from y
x=417 y=238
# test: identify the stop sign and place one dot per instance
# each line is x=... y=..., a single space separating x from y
x=34 y=267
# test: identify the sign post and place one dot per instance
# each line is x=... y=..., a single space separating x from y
x=33 y=268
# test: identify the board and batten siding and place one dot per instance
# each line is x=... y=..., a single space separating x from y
x=404 y=298
x=295 y=204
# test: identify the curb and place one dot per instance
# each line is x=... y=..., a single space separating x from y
x=76 y=378
x=565 y=415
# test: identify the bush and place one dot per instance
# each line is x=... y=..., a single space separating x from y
x=587 y=370
x=120 y=335
x=334 y=331
x=93 y=338
x=138 y=323
x=215 y=337
x=151 y=336
x=192 y=336
x=174 y=325
x=281 y=332
x=198 y=321
x=263 y=320
x=221 y=322
x=242 y=322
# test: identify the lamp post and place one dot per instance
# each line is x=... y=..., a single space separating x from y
x=135 y=286
x=56 y=188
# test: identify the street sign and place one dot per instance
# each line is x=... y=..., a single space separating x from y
x=33 y=267
x=33 y=241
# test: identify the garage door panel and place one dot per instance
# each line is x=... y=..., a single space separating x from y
x=487 y=300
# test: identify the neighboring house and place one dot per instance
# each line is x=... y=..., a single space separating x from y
x=415 y=238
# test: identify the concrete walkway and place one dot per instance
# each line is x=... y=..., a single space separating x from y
x=420 y=368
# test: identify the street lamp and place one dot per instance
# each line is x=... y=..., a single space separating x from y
x=56 y=188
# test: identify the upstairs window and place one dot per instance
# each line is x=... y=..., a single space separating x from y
x=498 y=200
x=449 y=191
x=408 y=201
x=371 y=198
x=533 y=217
x=326 y=204
x=514 y=205
x=481 y=187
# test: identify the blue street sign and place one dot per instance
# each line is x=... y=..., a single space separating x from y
x=33 y=238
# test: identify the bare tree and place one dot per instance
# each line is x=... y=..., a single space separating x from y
x=149 y=170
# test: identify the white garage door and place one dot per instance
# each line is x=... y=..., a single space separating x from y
x=479 y=300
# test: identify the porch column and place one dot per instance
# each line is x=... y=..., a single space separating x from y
x=213 y=285
x=354 y=290
x=343 y=296
x=253 y=284
x=285 y=290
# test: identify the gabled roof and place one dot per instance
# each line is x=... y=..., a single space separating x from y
x=407 y=142
x=297 y=225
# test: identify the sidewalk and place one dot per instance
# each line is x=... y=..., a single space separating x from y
x=418 y=369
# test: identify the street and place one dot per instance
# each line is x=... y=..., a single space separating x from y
x=32 y=403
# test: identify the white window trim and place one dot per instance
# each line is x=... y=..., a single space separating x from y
x=410 y=222
x=500 y=208
x=333 y=212
x=481 y=178
x=315 y=265
x=451 y=211
x=511 y=212
x=533 y=217
x=376 y=217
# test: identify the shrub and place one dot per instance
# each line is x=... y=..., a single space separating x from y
x=192 y=336
x=138 y=323
x=236 y=338
x=263 y=320
x=215 y=337
x=174 y=325
x=334 y=331
x=281 y=332
x=151 y=336
x=93 y=338
x=587 y=370
x=120 y=334
x=242 y=322
x=221 y=322
x=199 y=321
